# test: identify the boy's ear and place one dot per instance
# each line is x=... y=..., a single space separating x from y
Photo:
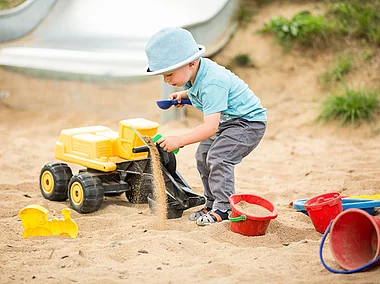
x=192 y=63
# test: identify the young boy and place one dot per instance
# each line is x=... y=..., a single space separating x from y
x=234 y=120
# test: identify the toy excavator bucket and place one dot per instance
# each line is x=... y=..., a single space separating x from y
x=34 y=219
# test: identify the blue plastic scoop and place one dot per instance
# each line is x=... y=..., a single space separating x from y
x=367 y=205
x=165 y=104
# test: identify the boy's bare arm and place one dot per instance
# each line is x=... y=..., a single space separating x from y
x=200 y=133
x=205 y=130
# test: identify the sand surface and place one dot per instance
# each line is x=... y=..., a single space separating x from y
x=123 y=242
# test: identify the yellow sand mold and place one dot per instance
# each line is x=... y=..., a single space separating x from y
x=34 y=219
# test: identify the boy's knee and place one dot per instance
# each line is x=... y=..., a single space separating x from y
x=213 y=161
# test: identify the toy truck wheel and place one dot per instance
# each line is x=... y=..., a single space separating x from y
x=54 y=180
x=86 y=193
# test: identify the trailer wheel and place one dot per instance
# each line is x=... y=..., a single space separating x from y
x=86 y=193
x=54 y=180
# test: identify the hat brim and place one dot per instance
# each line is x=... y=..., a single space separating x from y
x=201 y=51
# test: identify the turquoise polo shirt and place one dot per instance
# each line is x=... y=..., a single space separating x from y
x=216 y=89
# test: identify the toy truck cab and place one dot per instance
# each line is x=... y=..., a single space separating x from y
x=100 y=148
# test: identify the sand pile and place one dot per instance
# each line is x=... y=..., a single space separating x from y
x=122 y=242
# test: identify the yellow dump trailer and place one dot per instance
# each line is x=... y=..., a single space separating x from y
x=114 y=162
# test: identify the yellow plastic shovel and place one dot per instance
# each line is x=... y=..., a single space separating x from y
x=376 y=196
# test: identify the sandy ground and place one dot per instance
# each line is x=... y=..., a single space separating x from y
x=122 y=242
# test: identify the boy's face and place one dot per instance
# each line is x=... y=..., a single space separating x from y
x=180 y=76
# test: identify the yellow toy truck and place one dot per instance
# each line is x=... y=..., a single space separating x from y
x=114 y=163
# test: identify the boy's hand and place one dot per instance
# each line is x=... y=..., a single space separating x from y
x=169 y=143
x=179 y=96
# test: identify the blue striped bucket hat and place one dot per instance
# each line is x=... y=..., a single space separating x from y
x=170 y=49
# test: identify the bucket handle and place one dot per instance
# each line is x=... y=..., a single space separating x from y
x=367 y=265
x=237 y=219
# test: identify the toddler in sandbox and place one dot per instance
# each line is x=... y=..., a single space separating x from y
x=234 y=119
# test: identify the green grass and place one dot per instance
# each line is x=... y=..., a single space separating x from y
x=247 y=10
x=243 y=60
x=244 y=15
x=303 y=28
x=8 y=4
x=352 y=107
x=3 y=4
x=351 y=18
x=357 y=19
x=336 y=74
x=368 y=54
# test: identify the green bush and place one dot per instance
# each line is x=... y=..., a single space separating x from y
x=304 y=28
x=354 y=106
x=359 y=19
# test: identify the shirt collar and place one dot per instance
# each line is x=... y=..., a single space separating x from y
x=200 y=75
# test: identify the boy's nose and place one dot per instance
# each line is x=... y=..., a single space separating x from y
x=166 y=79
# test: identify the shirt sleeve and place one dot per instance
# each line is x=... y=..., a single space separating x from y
x=214 y=99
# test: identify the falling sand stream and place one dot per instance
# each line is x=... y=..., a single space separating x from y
x=159 y=189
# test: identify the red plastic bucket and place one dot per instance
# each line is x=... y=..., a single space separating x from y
x=324 y=208
x=354 y=241
x=249 y=225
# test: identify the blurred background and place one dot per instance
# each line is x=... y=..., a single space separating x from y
x=315 y=65
x=88 y=56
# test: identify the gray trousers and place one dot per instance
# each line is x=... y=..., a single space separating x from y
x=217 y=156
